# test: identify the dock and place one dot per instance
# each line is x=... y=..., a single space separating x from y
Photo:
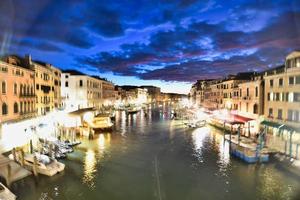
x=247 y=150
x=12 y=171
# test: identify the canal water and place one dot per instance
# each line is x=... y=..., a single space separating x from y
x=154 y=157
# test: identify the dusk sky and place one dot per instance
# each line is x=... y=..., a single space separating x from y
x=166 y=43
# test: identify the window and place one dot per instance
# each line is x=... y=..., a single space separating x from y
x=37 y=86
x=277 y=96
x=296 y=97
x=255 y=109
x=21 y=107
x=280 y=82
x=297 y=80
x=240 y=92
x=271 y=83
x=269 y=98
x=270 y=112
x=16 y=108
x=293 y=115
x=247 y=92
x=3 y=87
x=80 y=83
x=15 y=88
x=297 y=62
x=66 y=84
x=4 y=109
x=291 y=80
x=287 y=97
x=291 y=97
x=67 y=76
x=279 y=114
x=256 y=91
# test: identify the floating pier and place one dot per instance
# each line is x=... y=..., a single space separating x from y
x=12 y=171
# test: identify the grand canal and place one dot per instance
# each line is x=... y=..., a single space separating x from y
x=153 y=157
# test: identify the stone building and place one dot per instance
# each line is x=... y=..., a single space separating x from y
x=17 y=95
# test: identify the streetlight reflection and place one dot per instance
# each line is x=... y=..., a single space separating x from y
x=90 y=168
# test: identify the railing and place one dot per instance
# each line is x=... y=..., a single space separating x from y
x=26 y=95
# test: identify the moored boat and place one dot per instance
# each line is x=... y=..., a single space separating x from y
x=44 y=164
x=5 y=193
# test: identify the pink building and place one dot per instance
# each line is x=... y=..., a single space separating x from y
x=17 y=96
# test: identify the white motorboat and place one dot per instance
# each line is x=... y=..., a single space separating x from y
x=6 y=194
x=45 y=165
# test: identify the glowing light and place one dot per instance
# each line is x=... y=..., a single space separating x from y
x=89 y=168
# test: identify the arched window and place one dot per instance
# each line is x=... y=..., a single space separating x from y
x=255 y=109
x=3 y=87
x=21 y=107
x=25 y=107
x=4 y=109
x=21 y=89
x=16 y=108
x=28 y=106
x=28 y=90
x=15 y=89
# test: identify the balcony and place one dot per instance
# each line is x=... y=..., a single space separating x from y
x=26 y=95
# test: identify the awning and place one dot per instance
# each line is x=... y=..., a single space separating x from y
x=239 y=118
x=280 y=126
x=271 y=124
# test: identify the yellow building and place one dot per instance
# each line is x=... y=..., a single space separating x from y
x=282 y=106
x=282 y=92
x=47 y=87
x=248 y=98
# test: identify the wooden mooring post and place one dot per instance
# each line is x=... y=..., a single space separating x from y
x=34 y=167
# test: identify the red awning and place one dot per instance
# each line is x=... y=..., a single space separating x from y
x=239 y=118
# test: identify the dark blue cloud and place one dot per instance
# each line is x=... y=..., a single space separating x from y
x=172 y=40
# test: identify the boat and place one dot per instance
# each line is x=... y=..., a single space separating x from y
x=6 y=194
x=72 y=143
x=101 y=122
x=133 y=109
x=45 y=165
x=196 y=124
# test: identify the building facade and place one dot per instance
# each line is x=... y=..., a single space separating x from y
x=17 y=95
x=47 y=86
x=80 y=91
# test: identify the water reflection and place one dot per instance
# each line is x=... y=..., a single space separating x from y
x=199 y=135
x=92 y=157
x=90 y=168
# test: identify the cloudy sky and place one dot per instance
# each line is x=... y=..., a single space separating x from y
x=167 y=43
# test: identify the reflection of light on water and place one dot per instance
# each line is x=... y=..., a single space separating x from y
x=90 y=168
x=272 y=185
x=224 y=156
x=123 y=123
x=199 y=136
x=103 y=141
